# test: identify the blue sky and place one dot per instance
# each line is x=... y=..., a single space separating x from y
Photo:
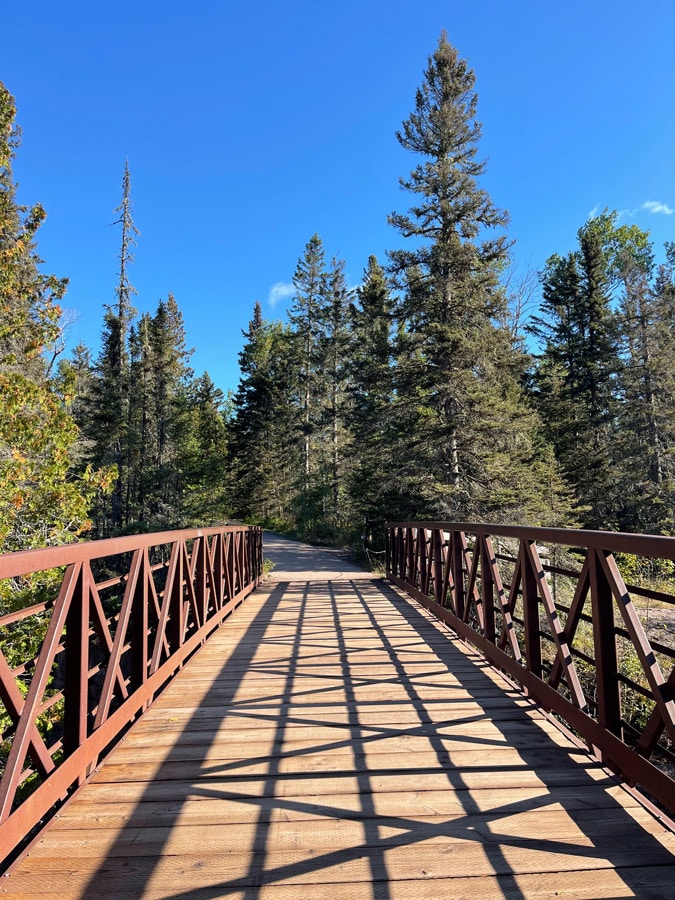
x=249 y=127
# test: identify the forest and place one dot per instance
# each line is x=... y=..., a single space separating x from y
x=437 y=389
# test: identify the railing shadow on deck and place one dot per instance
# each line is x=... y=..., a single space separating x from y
x=302 y=599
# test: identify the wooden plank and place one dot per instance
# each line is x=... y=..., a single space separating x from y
x=313 y=784
x=312 y=866
x=303 y=730
x=307 y=739
x=177 y=717
x=586 y=885
x=341 y=760
x=237 y=806
x=582 y=829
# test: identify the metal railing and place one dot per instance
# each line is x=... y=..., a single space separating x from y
x=116 y=620
x=553 y=610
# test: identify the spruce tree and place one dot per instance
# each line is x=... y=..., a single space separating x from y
x=370 y=389
x=467 y=443
x=205 y=456
x=646 y=416
x=336 y=346
x=125 y=291
x=169 y=414
x=140 y=436
x=266 y=452
x=576 y=375
x=307 y=319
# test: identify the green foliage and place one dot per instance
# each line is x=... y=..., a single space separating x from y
x=265 y=429
x=575 y=378
x=644 y=572
x=369 y=394
x=605 y=380
x=404 y=400
x=41 y=501
x=204 y=452
x=267 y=566
x=468 y=443
x=143 y=413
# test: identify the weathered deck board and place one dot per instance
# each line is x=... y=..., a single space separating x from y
x=332 y=740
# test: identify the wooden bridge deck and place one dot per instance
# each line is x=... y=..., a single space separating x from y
x=332 y=740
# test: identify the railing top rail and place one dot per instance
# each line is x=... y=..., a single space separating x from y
x=616 y=542
x=25 y=562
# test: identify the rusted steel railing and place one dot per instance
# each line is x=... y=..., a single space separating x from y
x=551 y=608
x=121 y=616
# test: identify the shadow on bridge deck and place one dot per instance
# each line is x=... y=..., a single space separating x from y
x=332 y=740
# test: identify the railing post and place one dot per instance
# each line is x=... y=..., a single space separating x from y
x=176 y=615
x=230 y=566
x=487 y=560
x=457 y=562
x=400 y=553
x=410 y=562
x=422 y=556
x=76 y=657
x=604 y=640
x=241 y=562
x=530 y=611
x=200 y=550
x=139 y=622
x=437 y=551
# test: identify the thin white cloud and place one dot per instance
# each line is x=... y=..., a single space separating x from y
x=278 y=292
x=654 y=206
x=650 y=206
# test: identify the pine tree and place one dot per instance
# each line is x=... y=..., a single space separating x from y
x=124 y=290
x=467 y=443
x=371 y=394
x=645 y=429
x=167 y=408
x=576 y=376
x=307 y=319
x=108 y=423
x=265 y=453
x=205 y=452
x=336 y=341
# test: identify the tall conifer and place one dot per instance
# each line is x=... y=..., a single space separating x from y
x=371 y=394
x=336 y=341
x=468 y=444
x=646 y=414
x=111 y=410
x=307 y=317
x=576 y=374
x=265 y=452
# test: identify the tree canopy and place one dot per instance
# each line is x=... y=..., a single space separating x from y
x=416 y=394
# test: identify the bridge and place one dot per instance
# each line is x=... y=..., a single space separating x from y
x=493 y=717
